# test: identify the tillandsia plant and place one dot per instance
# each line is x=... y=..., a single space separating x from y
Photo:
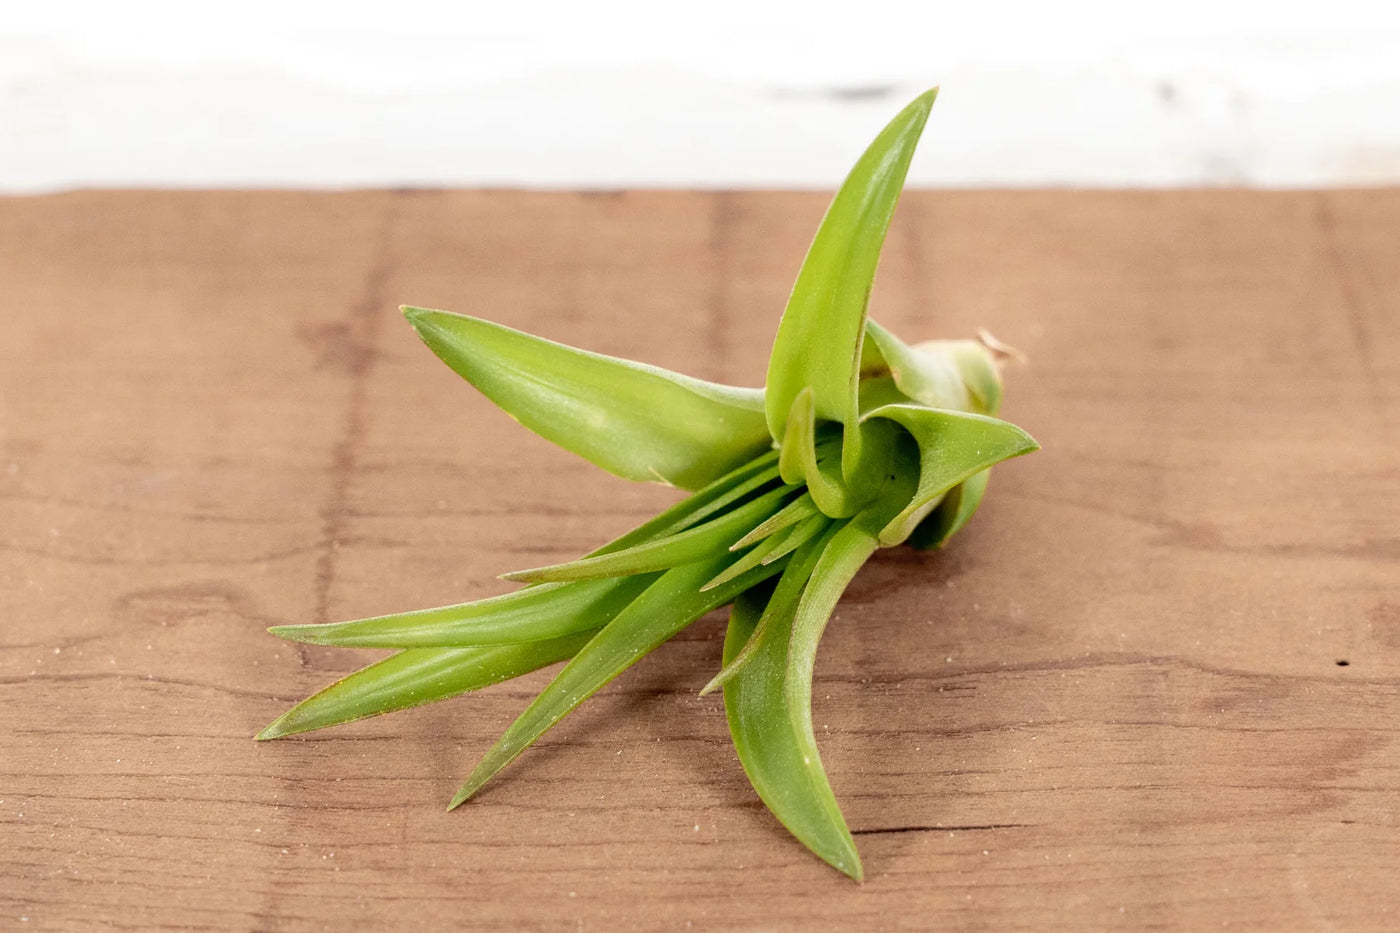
x=857 y=442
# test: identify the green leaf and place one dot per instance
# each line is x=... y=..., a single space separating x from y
x=800 y=461
x=819 y=338
x=684 y=547
x=418 y=676
x=543 y=611
x=961 y=375
x=795 y=511
x=952 y=513
x=768 y=702
x=780 y=606
x=666 y=607
x=637 y=421
x=530 y=614
x=953 y=446
x=775 y=546
x=798 y=536
x=844 y=553
x=700 y=505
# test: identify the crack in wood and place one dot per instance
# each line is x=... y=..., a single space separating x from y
x=359 y=353
x=1352 y=305
x=938 y=828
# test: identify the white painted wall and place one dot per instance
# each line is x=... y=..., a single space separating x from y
x=720 y=94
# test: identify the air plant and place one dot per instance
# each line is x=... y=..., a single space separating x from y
x=857 y=442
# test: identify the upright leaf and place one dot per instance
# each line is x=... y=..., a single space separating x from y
x=637 y=421
x=801 y=461
x=819 y=339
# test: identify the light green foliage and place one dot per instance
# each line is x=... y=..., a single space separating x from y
x=638 y=421
x=858 y=441
x=417 y=676
x=952 y=513
x=953 y=446
x=779 y=752
x=818 y=347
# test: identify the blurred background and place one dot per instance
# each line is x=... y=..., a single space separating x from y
x=714 y=95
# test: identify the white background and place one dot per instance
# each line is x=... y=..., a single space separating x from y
x=720 y=94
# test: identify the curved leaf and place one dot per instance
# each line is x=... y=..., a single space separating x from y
x=819 y=338
x=800 y=461
x=952 y=513
x=956 y=374
x=953 y=446
x=637 y=421
x=768 y=704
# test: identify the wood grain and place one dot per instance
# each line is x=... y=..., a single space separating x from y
x=1153 y=685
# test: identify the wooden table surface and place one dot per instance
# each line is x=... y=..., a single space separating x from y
x=1154 y=684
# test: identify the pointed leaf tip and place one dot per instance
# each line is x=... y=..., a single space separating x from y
x=953 y=447
x=668 y=605
x=269 y=731
x=417 y=676
x=820 y=337
x=768 y=700
x=305 y=634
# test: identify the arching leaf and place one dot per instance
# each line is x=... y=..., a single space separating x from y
x=768 y=702
x=956 y=374
x=640 y=422
x=953 y=446
x=952 y=513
